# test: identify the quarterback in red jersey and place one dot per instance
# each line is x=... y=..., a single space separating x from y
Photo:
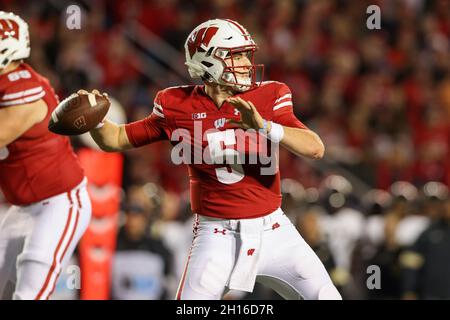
x=241 y=235
x=40 y=176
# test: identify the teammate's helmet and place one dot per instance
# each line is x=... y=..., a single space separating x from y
x=14 y=39
x=213 y=41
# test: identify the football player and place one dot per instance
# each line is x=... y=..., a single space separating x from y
x=40 y=176
x=241 y=235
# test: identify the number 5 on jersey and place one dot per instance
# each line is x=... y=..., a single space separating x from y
x=233 y=172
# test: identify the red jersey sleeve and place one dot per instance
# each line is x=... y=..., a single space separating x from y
x=283 y=109
x=151 y=129
x=20 y=88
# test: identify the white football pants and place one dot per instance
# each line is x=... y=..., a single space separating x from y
x=285 y=263
x=36 y=242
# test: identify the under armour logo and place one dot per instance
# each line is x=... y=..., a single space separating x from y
x=275 y=225
x=220 y=231
x=250 y=252
x=219 y=123
x=79 y=122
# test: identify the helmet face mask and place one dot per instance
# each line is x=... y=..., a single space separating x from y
x=211 y=54
x=233 y=74
x=14 y=39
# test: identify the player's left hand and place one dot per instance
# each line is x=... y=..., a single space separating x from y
x=250 y=117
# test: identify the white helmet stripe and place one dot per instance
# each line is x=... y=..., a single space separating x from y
x=244 y=33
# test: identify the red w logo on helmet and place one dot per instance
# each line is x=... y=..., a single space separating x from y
x=201 y=37
x=8 y=28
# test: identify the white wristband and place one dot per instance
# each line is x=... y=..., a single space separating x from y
x=276 y=133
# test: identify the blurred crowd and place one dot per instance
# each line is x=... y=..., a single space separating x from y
x=380 y=100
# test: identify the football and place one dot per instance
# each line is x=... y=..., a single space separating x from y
x=78 y=114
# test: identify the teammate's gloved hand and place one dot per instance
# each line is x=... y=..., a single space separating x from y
x=250 y=117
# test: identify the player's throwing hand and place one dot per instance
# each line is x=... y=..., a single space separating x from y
x=250 y=117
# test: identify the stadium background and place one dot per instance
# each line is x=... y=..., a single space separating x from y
x=380 y=100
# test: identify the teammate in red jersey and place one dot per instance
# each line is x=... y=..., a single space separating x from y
x=39 y=175
x=241 y=235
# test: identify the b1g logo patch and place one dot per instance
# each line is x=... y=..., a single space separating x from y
x=199 y=115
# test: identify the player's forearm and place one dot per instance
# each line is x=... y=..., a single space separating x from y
x=111 y=137
x=303 y=142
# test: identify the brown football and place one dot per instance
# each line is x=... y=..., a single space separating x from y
x=78 y=114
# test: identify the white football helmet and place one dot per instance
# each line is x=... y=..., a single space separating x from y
x=213 y=41
x=14 y=38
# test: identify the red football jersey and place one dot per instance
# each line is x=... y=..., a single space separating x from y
x=38 y=164
x=237 y=191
